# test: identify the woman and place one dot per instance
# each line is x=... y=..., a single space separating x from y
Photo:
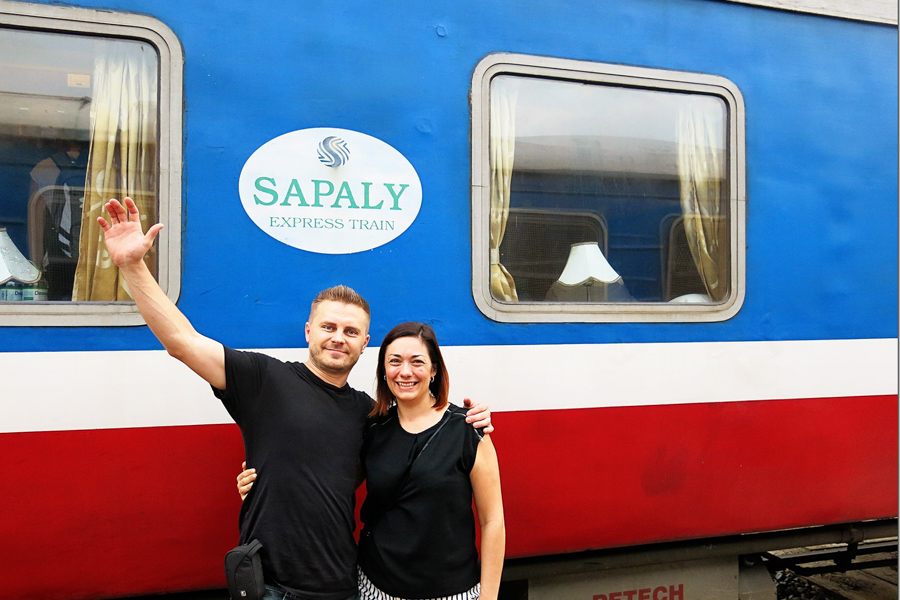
x=423 y=465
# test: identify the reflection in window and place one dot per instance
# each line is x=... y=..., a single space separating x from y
x=648 y=167
x=78 y=125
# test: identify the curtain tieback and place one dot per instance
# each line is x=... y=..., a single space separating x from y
x=495 y=256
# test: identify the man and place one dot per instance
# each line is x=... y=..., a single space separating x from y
x=302 y=424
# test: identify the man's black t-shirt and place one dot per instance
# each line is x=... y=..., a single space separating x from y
x=303 y=436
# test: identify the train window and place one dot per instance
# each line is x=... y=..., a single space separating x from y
x=605 y=193
x=90 y=109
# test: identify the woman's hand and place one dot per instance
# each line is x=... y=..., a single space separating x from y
x=245 y=480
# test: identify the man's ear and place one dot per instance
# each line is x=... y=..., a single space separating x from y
x=306 y=331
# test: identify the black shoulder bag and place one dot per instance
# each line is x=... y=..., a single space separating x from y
x=243 y=572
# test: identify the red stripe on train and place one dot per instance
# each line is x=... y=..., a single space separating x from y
x=575 y=480
x=114 y=512
x=91 y=514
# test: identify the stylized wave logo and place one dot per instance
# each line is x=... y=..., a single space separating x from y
x=333 y=151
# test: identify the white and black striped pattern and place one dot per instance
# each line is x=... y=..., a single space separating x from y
x=368 y=591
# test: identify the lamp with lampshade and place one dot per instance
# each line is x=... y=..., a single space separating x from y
x=14 y=266
x=588 y=277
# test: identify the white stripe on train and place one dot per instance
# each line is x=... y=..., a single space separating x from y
x=58 y=391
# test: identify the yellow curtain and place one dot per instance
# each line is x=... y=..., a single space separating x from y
x=700 y=169
x=502 y=152
x=122 y=160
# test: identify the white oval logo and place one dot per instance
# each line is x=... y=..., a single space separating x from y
x=331 y=191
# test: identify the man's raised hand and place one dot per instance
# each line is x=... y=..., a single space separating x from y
x=125 y=240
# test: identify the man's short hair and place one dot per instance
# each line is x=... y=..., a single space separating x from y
x=343 y=294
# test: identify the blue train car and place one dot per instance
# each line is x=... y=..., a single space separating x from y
x=657 y=237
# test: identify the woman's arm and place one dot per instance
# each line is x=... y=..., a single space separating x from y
x=485 y=478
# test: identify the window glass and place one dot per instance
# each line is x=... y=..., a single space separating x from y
x=604 y=197
x=78 y=125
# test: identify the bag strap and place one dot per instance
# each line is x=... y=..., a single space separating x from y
x=253 y=547
x=406 y=474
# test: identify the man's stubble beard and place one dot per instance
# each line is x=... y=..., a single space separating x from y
x=341 y=368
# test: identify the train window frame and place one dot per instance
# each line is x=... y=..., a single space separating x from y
x=125 y=26
x=529 y=66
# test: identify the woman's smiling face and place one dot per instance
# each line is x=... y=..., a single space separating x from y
x=408 y=369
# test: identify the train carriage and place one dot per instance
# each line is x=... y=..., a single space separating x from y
x=658 y=237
